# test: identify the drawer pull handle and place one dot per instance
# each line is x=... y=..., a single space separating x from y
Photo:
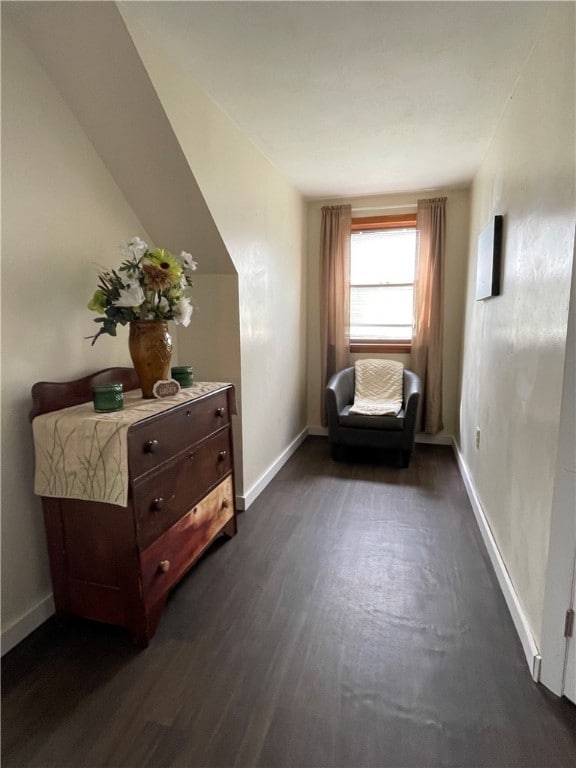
x=221 y=455
x=151 y=446
x=188 y=412
x=164 y=566
x=192 y=455
x=225 y=503
x=220 y=411
x=158 y=503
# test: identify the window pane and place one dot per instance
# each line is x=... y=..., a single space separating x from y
x=383 y=256
x=383 y=312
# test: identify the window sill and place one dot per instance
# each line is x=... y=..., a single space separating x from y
x=402 y=347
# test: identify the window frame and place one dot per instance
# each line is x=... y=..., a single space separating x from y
x=371 y=223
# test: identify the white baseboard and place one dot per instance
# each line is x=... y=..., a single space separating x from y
x=26 y=624
x=531 y=651
x=243 y=502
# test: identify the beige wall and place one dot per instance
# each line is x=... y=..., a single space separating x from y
x=62 y=214
x=211 y=345
x=515 y=343
x=261 y=220
x=119 y=111
x=457 y=223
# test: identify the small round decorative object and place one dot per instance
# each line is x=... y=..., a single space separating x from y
x=165 y=388
x=107 y=397
x=183 y=374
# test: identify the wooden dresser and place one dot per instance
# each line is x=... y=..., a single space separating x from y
x=117 y=564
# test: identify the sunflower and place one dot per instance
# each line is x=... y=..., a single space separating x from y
x=150 y=284
x=161 y=270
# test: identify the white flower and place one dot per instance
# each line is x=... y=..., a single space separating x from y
x=150 y=284
x=134 y=248
x=163 y=304
x=131 y=295
x=183 y=312
x=188 y=261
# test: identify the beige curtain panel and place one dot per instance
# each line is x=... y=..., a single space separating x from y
x=426 y=356
x=335 y=291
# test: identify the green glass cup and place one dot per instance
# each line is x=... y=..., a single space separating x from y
x=183 y=374
x=107 y=397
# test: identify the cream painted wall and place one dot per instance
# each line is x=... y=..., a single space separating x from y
x=61 y=215
x=261 y=220
x=212 y=345
x=117 y=107
x=457 y=223
x=514 y=344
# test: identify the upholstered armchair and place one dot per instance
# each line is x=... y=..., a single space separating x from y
x=355 y=430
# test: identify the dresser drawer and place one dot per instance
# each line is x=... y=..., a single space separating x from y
x=160 y=499
x=160 y=438
x=165 y=561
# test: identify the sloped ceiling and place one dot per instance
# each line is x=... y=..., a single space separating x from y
x=351 y=98
x=344 y=98
x=89 y=55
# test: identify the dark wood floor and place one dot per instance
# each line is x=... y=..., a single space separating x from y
x=354 y=622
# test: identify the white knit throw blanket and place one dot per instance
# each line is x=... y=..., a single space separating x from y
x=379 y=387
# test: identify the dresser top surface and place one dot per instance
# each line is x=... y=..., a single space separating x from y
x=136 y=408
x=84 y=454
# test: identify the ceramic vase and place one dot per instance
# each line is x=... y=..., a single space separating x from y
x=150 y=347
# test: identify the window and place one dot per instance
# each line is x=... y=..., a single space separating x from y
x=382 y=264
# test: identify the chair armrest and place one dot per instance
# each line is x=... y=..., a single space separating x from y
x=339 y=393
x=412 y=391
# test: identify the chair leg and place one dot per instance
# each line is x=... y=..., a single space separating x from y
x=335 y=451
x=405 y=458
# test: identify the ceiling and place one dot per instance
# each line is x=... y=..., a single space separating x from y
x=355 y=98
